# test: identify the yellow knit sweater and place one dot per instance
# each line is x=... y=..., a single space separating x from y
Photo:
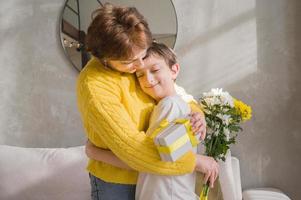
x=115 y=112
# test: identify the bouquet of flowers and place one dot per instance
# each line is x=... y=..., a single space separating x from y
x=223 y=115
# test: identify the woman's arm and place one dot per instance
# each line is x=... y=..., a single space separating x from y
x=204 y=164
x=104 y=155
x=197 y=120
x=167 y=110
x=105 y=116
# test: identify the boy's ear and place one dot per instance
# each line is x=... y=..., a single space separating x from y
x=175 y=69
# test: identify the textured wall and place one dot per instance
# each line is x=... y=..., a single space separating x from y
x=37 y=82
x=250 y=48
x=262 y=43
x=272 y=147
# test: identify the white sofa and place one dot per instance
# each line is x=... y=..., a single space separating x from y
x=59 y=174
x=43 y=173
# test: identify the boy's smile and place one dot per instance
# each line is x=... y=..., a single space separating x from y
x=156 y=78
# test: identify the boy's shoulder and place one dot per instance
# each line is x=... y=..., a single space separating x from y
x=174 y=105
x=169 y=108
x=174 y=100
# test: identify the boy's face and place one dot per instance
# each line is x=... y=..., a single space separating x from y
x=156 y=78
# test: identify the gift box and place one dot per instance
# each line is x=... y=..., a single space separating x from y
x=174 y=139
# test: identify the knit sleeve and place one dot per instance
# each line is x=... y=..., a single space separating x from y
x=195 y=107
x=109 y=119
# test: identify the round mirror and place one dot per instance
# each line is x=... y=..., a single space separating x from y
x=76 y=17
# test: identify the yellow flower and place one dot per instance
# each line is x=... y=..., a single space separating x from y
x=243 y=109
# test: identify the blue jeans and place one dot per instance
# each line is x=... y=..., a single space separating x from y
x=101 y=190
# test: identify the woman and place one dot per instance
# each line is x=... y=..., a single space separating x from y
x=115 y=111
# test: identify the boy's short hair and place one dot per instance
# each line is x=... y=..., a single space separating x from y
x=115 y=31
x=163 y=51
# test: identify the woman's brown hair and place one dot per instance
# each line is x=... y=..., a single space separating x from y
x=115 y=31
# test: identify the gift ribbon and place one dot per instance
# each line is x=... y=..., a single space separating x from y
x=163 y=124
x=174 y=146
x=187 y=125
x=179 y=142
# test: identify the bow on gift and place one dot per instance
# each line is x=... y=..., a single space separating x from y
x=189 y=136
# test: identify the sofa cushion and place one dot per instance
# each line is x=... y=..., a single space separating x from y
x=43 y=173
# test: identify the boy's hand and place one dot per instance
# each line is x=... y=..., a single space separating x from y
x=208 y=166
x=198 y=124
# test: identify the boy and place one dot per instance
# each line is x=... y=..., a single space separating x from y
x=156 y=79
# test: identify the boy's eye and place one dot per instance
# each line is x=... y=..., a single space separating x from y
x=155 y=70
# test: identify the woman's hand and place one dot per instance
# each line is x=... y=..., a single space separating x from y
x=89 y=148
x=198 y=124
x=208 y=166
x=104 y=155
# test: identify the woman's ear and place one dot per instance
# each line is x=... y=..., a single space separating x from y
x=175 y=69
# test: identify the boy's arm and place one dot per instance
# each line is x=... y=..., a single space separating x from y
x=205 y=164
x=104 y=155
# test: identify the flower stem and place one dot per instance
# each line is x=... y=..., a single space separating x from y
x=205 y=191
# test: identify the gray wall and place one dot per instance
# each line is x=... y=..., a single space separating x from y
x=37 y=82
x=272 y=148
x=220 y=35
x=261 y=39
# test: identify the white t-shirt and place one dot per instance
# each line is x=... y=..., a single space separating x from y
x=159 y=187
